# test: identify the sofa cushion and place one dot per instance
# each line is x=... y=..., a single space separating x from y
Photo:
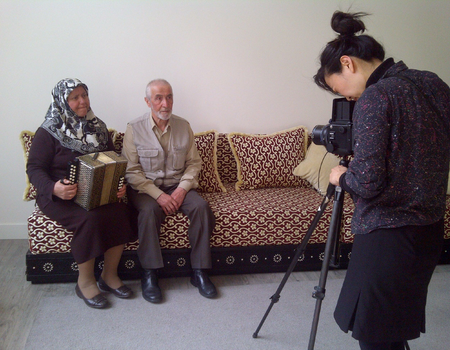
x=47 y=236
x=26 y=138
x=117 y=138
x=243 y=218
x=264 y=217
x=269 y=160
x=226 y=163
x=316 y=167
x=208 y=179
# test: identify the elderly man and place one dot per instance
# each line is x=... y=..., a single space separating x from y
x=163 y=165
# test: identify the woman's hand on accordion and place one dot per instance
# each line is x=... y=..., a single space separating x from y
x=64 y=190
x=122 y=191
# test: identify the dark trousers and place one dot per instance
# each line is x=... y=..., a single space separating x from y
x=151 y=216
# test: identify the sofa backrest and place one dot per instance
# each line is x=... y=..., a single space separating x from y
x=226 y=162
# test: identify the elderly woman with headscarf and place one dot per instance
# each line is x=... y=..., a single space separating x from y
x=71 y=129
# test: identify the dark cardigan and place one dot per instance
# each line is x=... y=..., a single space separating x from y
x=400 y=169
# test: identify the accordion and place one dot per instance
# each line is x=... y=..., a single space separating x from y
x=99 y=175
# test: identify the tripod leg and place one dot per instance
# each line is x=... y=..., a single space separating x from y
x=333 y=238
x=300 y=250
x=276 y=297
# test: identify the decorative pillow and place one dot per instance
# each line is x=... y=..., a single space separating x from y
x=316 y=167
x=26 y=137
x=208 y=179
x=117 y=138
x=268 y=160
x=226 y=163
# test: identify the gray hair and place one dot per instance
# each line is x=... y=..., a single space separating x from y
x=148 y=92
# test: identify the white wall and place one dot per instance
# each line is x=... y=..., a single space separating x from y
x=234 y=65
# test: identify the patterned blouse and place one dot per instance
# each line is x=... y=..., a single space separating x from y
x=400 y=169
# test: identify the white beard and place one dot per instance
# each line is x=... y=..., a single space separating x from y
x=162 y=115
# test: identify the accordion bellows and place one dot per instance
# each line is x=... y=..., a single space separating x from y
x=100 y=175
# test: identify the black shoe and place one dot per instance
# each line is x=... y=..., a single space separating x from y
x=97 y=302
x=201 y=280
x=150 y=288
x=122 y=292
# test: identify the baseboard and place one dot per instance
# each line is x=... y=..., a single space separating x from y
x=13 y=231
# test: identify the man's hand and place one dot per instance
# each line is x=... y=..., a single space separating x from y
x=171 y=203
x=65 y=190
x=178 y=195
x=336 y=174
x=167 y=203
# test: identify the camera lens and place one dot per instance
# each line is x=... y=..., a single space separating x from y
x=319 y=134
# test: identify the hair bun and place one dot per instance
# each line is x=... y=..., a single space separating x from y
x=348 y=23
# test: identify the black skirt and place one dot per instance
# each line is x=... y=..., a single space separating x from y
x=384 y=293
x=94 y=231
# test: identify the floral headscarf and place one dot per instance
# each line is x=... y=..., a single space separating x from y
x=85 y=135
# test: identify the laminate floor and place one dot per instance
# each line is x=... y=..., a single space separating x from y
x=19 y=299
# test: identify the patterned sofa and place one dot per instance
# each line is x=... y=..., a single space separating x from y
x=262 y=212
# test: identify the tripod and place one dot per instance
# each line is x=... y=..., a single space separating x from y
x=331 y=256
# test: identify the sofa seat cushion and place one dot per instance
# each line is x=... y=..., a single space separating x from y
x=271 y=216
x=47 y=236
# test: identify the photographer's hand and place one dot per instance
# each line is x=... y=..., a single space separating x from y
x=336 y=174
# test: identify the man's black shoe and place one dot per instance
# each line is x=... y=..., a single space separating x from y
x=201 y=280
x=150 y=288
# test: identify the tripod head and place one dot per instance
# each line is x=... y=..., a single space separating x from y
x=331 y=188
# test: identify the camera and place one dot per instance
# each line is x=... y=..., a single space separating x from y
x=337 y=136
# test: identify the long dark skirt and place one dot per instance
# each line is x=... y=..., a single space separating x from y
x=384 y=293
x=95 y=231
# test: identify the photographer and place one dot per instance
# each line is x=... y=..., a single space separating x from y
x=398 y=181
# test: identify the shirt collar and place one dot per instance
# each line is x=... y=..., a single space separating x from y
x=152 y=121
x=380 y=72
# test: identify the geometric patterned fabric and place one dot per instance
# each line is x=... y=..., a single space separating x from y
x=208 y=179
x=243 y=218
